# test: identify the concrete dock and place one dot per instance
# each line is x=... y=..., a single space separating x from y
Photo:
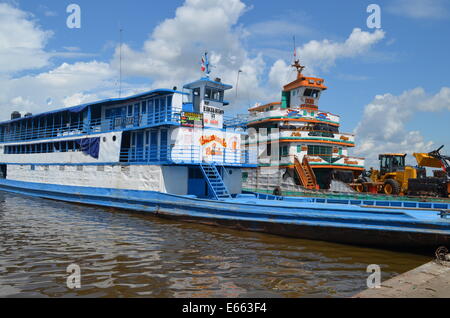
x=431 y=280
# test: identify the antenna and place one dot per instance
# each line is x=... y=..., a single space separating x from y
x=120 y=60
x=237 y=82
x=295 y=50
x=296 y=63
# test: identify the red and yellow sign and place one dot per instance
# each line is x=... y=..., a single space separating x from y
x=213 y=138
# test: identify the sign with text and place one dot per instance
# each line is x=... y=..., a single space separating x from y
x=189 y=119
x=212 y=117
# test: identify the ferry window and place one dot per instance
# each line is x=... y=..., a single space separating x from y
x=207 y=93
x=169 y=101
x=156 y=105
x=114 y=138
x=213 y=94
x=319 y=150
x=130 y=110
x=311 y=93
x=162 y=104
x=144 y=107
x=150 y=106
x=136 y=109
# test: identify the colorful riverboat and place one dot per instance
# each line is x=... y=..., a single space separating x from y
x=168 y=152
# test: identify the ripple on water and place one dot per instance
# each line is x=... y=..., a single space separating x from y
x=132 y=255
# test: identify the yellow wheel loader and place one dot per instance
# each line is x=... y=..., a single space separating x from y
x=395 y=178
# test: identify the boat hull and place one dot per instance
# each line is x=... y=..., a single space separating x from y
x=354 y=225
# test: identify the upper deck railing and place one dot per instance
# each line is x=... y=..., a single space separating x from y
x=185 y=155
x=21 y=133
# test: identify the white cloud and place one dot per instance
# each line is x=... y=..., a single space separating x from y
x=280 y=27
x=22 y=42
x=419 y=9
x=321 y=55
x=383 y=126
x=65 y=85
x=169 y=57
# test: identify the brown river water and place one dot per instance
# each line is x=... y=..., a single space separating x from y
x=123 y=254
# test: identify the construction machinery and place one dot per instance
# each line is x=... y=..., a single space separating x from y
x=396 y=178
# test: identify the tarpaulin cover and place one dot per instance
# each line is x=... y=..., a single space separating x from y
x=90 y=146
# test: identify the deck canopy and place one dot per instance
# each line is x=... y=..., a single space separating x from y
x=83 y=107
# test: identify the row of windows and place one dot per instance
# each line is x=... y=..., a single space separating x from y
x=308 y=92
x=213 y=94
x=154 y=105
x=320 y=150
x=47 y=147
x=312 y=150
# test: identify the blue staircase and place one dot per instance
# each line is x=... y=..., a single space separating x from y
x=215 y=181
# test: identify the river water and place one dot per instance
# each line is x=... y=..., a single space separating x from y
x=123 y=254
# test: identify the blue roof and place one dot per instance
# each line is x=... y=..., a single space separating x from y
x=206 y=80
x=82 y=107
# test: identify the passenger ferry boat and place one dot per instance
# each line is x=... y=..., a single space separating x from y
x=310 y=151
x=168 y=153
x=153 y=141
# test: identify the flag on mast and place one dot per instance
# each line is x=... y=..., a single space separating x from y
x=205 y=64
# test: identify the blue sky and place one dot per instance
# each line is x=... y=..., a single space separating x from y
x=405 y=64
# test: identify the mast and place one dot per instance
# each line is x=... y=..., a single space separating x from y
x=120 y=60
x=296 y=63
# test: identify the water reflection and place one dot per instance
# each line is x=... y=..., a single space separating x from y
x=132 y=255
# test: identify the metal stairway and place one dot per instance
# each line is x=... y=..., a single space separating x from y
x=305 y=173
x=215 y=181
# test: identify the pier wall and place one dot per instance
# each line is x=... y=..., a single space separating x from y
x=431 y=280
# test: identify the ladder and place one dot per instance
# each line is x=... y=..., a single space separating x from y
x=305 y=173
x=215 y=181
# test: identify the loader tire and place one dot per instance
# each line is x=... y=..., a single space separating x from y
x=391 y=187
x=361 y=187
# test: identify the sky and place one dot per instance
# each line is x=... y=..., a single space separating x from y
x=390 y=85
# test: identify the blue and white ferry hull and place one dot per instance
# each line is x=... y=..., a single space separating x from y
x=350 y=224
